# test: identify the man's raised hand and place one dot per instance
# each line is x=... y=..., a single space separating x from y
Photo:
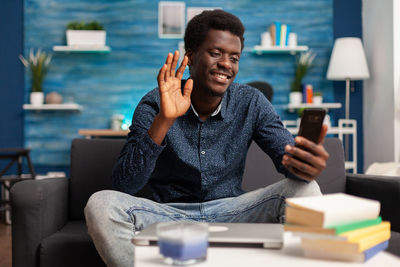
x=173 y=102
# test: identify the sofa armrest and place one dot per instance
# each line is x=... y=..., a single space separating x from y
x=39 y=208
x=385 y=189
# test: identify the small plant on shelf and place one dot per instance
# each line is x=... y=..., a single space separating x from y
x=303 y=65
x=81 y=33
x=38 y=63
x=89 y=26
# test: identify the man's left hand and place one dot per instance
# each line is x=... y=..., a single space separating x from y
x=311 y=157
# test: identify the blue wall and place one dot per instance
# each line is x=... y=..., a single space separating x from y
x=105 y=84
x=11 y=74
x=347 y=23
x=114 y=83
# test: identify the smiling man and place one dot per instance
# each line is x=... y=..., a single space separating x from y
x=189 y=140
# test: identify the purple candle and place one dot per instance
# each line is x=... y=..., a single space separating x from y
x=183 y=242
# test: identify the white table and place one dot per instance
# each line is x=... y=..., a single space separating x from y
x=290 y=255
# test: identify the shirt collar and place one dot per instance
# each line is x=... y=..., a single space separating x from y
x=212 y=114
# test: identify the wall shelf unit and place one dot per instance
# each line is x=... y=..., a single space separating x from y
x=293 y=107
x=260 y=50
x=345 y=127
x=65 y=107
x=81 y=49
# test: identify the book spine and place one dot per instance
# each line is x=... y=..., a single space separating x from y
x=303 y=217
x=272 y=31
x=309 y=93
x=352 y=257
x=369 y=253
x=278 y=33
x=283 y=35
x=287 y=34
x=356 y=235
x=356 y=225
x=304 y=91
x=346 y=246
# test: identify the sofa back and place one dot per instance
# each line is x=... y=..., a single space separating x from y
x=260 y=170
x=92 y=161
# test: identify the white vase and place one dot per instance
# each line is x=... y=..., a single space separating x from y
x=295 y=98
x=86 y=38
x=317 y=99
x=37 y=98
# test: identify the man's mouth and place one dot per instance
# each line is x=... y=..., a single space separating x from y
x=221 y=77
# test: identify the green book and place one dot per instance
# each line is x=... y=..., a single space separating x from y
x=333 y=230
x=356 y=225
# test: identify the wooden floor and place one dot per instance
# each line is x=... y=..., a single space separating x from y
x=5 y=245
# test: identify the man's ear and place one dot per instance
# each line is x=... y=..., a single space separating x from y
x=189 y=54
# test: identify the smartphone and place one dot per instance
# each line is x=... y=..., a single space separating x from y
x=311 y=123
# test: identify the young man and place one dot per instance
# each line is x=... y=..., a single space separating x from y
x=189 y=141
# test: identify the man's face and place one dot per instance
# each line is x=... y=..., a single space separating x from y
x=214 y=66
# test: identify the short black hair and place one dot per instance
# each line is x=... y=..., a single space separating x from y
x=217 y=19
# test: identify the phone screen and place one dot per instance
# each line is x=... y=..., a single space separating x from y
x=311 y=124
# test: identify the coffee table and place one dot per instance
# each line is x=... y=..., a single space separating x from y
x=290 y=255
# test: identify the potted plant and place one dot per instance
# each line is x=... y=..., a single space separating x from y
x=303 y=65
x=38 y=65
x=86 y=34
x=317 y=98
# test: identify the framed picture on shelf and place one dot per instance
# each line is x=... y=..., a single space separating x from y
x=171 y=19
x=193 y=11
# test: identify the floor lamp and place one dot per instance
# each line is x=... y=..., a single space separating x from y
x=347 y=63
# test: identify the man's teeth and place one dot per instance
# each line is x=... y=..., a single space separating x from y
x=221 y=76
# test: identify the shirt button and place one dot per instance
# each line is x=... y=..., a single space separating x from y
x=203 y=152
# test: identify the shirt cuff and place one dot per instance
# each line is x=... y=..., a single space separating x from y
x=152 y=146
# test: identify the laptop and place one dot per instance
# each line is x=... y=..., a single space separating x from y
x=263 y=235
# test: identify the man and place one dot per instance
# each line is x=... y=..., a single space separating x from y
x=189 y=141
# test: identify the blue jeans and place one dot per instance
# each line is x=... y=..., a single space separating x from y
x=113 y=217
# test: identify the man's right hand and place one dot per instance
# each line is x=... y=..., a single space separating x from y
x=173 y=102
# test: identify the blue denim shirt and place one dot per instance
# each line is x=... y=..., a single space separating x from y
x=200 y=160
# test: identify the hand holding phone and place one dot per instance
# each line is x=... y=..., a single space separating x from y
x=311 y=124
x=307 y=161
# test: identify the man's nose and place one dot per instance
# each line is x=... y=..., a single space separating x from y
x=225 y=62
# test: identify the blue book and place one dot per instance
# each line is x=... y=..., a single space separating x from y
x=304 y=91
x=278 y=33
x=287 y=34
x=369 y=253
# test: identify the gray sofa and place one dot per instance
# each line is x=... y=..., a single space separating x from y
x=48 y=223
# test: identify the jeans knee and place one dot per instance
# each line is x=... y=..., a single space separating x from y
x=98 y=205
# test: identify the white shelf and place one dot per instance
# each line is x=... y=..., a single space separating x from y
x=259 y=50
x=71 y=107
x=292 y=107
x=81 y=49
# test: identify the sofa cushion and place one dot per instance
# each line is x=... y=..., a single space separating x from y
x=260 y=170
x=394 y=243
x=72 y=244
x=92 y=161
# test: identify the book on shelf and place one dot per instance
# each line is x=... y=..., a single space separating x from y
x=357 y=245
x=352 y=257
x=330 y=210
x=333 y=230
x=279 y=33
x=272 y=31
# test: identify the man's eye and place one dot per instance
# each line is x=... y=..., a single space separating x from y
x=214 y=54
x=235 y=59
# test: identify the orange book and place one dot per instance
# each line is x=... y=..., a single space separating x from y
x=309 y=93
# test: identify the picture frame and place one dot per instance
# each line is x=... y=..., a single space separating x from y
x=193 y=11
x=171 y=19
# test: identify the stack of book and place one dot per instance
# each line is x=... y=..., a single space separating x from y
x=338 y=226
x=279 y=33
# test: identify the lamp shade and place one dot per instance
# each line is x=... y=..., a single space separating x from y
x=348 y=60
